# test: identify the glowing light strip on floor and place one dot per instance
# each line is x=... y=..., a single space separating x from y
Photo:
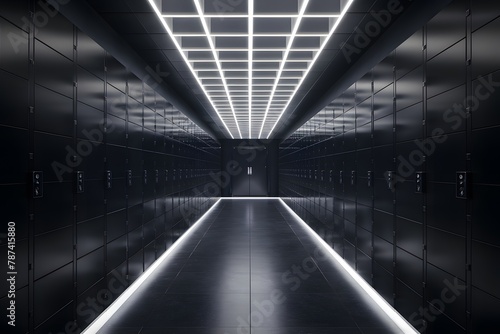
x=398 y=319
x=247 y=198
x=101 y=320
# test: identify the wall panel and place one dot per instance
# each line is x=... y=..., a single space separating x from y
x=75 y=108
x=14 y=96
x=14 y=56
x=422 y=121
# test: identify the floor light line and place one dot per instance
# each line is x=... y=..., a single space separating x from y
x=398 y=319
x=101 y=320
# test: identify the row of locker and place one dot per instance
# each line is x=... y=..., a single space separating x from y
x=405 y=210
x=159 y=182
x=66 y=277
x=102 y=174
x=329 y=182
x=405 y=261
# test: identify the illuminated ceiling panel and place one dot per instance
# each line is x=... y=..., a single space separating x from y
x=250 y=57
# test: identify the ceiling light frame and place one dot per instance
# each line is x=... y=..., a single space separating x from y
x=257 y=95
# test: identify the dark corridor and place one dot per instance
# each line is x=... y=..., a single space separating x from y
x=375 y=121
x=249 y=267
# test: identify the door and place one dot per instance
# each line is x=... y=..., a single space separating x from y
x=252 y=177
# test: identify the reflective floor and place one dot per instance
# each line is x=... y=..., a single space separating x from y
x=249 y=267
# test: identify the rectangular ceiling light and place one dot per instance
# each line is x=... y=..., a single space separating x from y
x=215 y=53
x=323 y=45
x=250 y=64
x=298 y=20
x=281 y=47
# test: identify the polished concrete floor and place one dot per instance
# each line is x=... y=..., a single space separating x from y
x=249 y=267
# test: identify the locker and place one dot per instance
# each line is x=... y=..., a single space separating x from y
x=483 y=306
x=383 y=282
x=13 y=171
x=453 y=17
x=116 y=100
x=445 y=159
x=484 y=275
x=487 y=98
x=116 y=252
x=55 y=209
x=53 y=250
x=363 y=88
x=14 y=11
x=447 y=111
x=444 y=211
x=408 y=56
x=87 y=273
x=440 y=243
x=90 y=204
x=364 y=241
x=409 y=270
x=484 y=207
x=450 y=63
x=438 y=280
x=383 y=73
x=54 y=292
x=116 y=224
x=383 y=102
x=14 y=94
x=90 y=55
x=405 y=300
x=53 y=70
x=410 y=236
x=115 y=197
x=13 y=57
x=90 y=89
x=409 y=123
x=409 y=89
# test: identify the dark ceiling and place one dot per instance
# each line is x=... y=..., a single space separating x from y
x=369 y=30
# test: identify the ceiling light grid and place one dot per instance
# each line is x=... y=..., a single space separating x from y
x=250 y=61
x=323 y=45
x=215 y=53
x=290 y=42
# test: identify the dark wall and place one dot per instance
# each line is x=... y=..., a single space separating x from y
x=67 y=106
x=272 y=148
x=431 y=106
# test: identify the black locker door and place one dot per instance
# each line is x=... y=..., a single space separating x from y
x=252 y=177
